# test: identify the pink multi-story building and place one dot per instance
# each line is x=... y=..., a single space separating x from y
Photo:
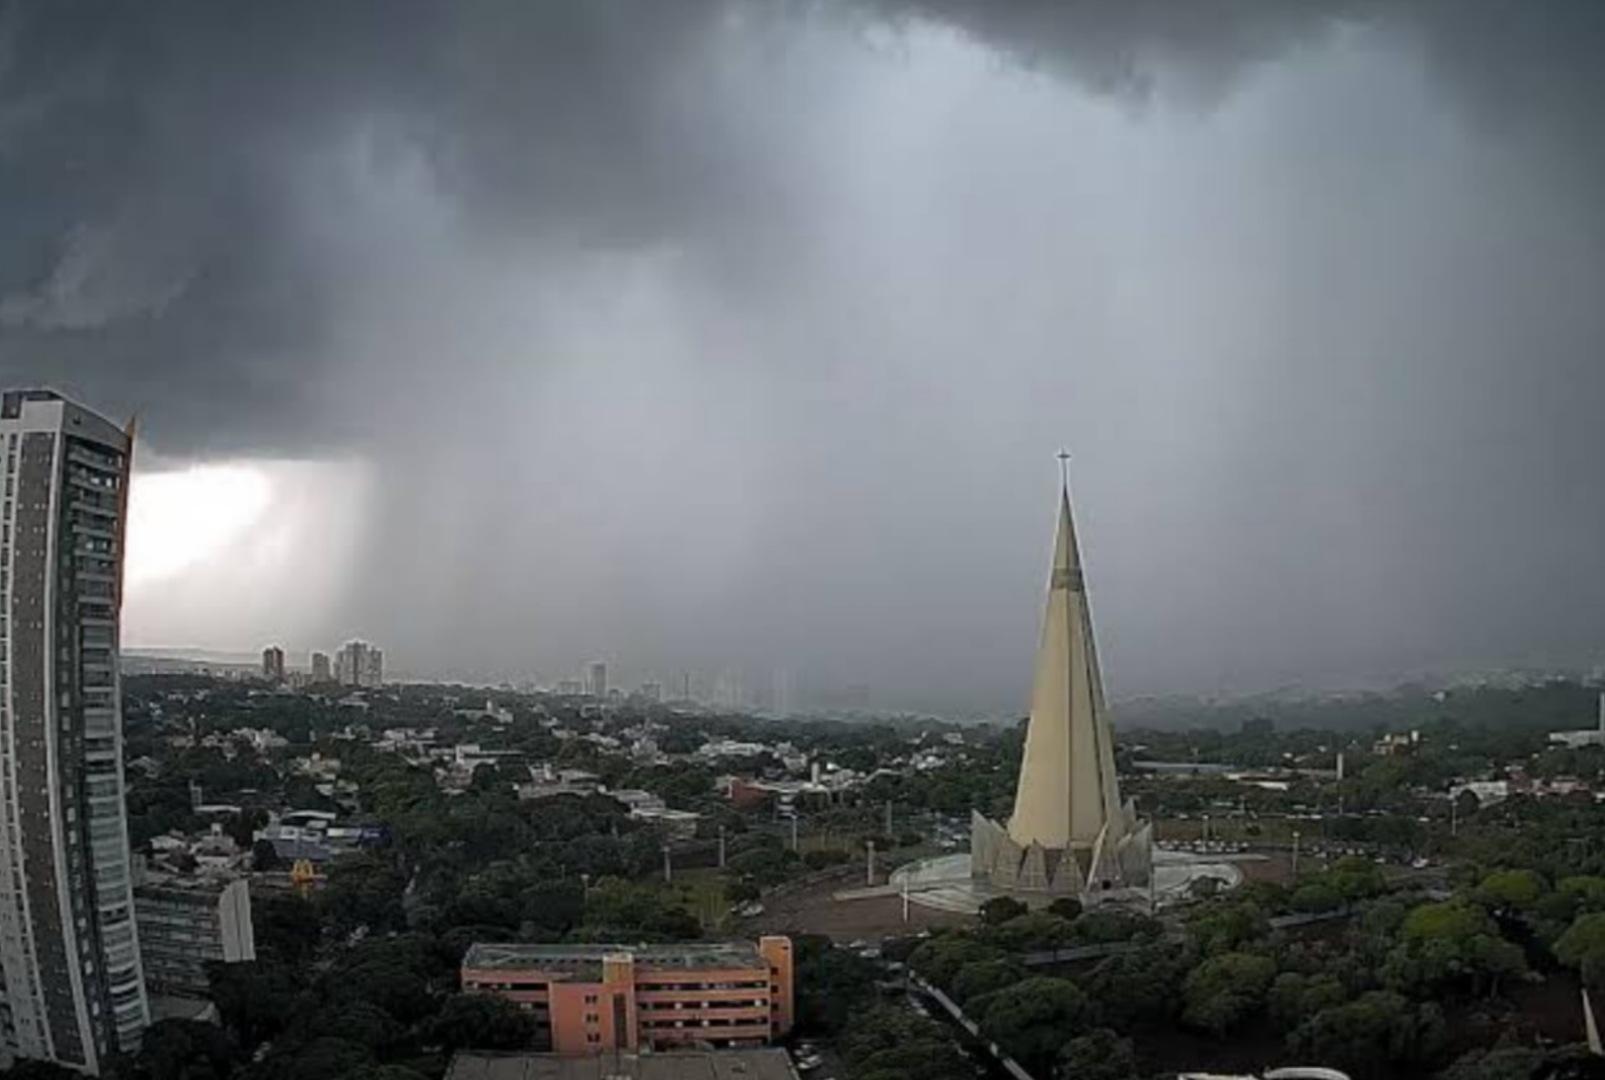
x=590 y=998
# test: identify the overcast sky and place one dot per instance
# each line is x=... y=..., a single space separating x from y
x=703 y=334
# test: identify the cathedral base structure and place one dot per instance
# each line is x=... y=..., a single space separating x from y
x=1086 y=874
x=945 y=883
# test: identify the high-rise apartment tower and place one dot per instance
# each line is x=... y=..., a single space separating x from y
x=69 y=949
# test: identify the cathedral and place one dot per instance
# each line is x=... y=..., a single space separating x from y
x=1070 y=834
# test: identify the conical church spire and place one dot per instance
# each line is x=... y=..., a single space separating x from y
x=1069 y=835
x=1068 y=794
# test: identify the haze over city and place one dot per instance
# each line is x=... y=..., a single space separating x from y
x=710 y=334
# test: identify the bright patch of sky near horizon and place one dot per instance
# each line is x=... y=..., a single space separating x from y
x=232 y=555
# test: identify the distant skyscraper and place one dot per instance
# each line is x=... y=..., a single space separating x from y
x=69 y=949
x=321 y=671
x=651 y=691
x=359 y=664
x=596 y=679
x=273 y=664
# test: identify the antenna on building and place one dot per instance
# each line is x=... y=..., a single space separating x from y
x=1064 y=468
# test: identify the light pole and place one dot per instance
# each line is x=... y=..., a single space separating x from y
x=1295 y=856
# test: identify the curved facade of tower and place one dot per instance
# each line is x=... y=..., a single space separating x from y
x=70 y=977
x=1069 y=834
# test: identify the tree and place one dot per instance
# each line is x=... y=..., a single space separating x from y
x=768 y=865
x=481 y=1022
x=242 y=827
x=1066 y=907
x=324 y=1058
x=616 y=908
x=1031 y=931
x=1511 y=890
x=364 y=891
x=1582 y=947
x=926 y=1057
x=1098 y=1055
x=1224 y=990
x=985 y=977
x=182 y=1050
x=1454 y=943
x=254 y=999
x=1032 y=1019
x=1139 y=986
x=1294 y=998
x=940 y=958
x=286 y=927
x=1586 y=891
x=1366 y=1036
x=391 y=973
x=1000 y=909
x=360 y=1021
x=1316 y=896
x=824 y=857
x=1109 y=925
x=832 y=984
x=1223 y=925
x=889 y=1043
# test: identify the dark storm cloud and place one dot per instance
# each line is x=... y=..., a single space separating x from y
x=301 y=228
x=150 y=238
x=147 y=148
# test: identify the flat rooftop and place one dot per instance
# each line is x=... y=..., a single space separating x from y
x=196 y=887
x=687 y=956
x=767 y=1064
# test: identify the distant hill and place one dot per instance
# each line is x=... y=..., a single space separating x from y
x=1552 y=704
